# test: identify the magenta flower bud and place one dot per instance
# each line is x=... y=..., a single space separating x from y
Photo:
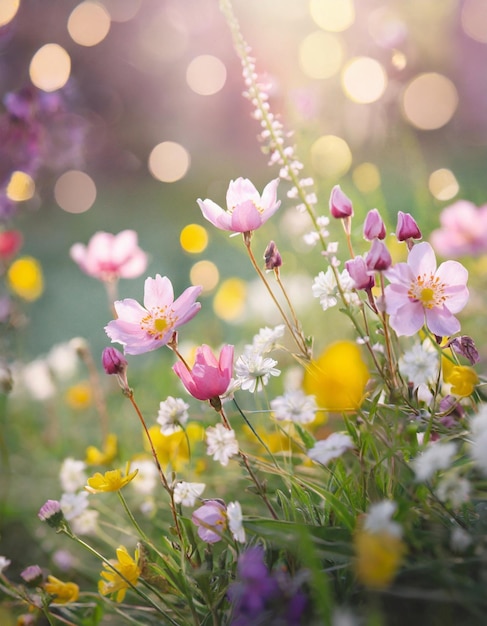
x=51 y=513
x=340 y=203
x=357 y=268
x=32 y=575
x=407 y=227
x=374 y=227
x=113 y=361
x=378 y=258
x=272 y=257
x=211 y=519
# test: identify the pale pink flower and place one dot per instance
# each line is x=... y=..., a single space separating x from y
x=109 y=257
x=420 y=293
x=463 y=230
x=208 y=378
x=246 y=209
x=144 y=328
x=374 y=227
x=211 y=520
x=340 y=204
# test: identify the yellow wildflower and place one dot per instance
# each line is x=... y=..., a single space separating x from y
x=173 y=449
x=62 y=592
x=79 y=396
x=462 y=378
x=25 y=278
x=105 y=456
x=127 y=574
x=378 y=557
x=113 y=480
x=338 y=377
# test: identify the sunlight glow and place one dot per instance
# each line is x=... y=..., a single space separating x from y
x=89 y=23
x=366 y=177
x=206 y=75
x=443 y=184
x=474 y=19
x=332 y=15
x=75 y=191
x=364 y=80
x=429 y=101
x=50 y=67
x=169 y=162
x=206 y=274
x=229 y=300
x=330 y=156
x=193 y=238
x=8 y=10
x=21 y=187
x=321 y=55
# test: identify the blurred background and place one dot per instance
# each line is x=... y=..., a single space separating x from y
x=139 y=113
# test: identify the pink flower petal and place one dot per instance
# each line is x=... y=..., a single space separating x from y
x=158 y=292
x=441 y=322
x=239 y=191
x=246 y=217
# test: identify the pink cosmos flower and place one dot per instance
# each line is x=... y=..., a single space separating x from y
x=463 y=230
x=246 y=209
x=109 y=257
x=211 y=519
x=209 y=378
x=420 y=293
x=144 y=328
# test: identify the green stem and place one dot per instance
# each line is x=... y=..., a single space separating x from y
x=131 y=516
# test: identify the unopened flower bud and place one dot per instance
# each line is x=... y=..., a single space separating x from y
x=465 y=346
x=374 y=227
x=340 y=203
x=113 y=361
x=51 y=513
x=32 y=575
x=272 y=257
x=362 y=278
x=378 y=258
x=407 y=227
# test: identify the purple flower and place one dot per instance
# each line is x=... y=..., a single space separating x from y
x=246 y=209
x=211 y=519
x=340 y=203
x=144 y=328
x=272 y=257
x=51 y=513
x=378 y=257
x=420 y=293
x=465 y=346
x=32 y=575
x=359 y=273
x=374 y=227
x=407 y=227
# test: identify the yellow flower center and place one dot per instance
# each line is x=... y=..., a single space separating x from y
x=158 y=321
x=428 y=290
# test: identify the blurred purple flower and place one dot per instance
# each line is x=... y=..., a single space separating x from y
x=211 y=520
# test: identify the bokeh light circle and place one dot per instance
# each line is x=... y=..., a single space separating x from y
x=229 y=300
x=8 y=10
x=20 y=187
x=364 y=80
x=331 y=156
x=50 y=67
x=429 y=101
x=474 y=19
x=321 y=55
x=366 y=177
x=169 y=161
x=206 y=75
x=122 y=10
x=206 y=274
x=89 y=23
x=193 y=238
x=332 y=15
x=443 y=184
x=75 y=191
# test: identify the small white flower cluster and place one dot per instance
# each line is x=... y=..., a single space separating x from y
x=74 y=500
x=172 y=415
x=252 y=368
x=326 y=289
x=187 y=493
x=437 y=456
x=420 y=364
x=478 y=427
x=330 y=448
x=312 y=238
x=378 y=519
x=294 y=406
x=221 y=443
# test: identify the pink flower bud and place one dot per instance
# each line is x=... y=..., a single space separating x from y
x=113 y=361
x=374 y=227
x=378 y=258
x=407 y=227
x=359 y=273
x=340 y=203
x=272 y=257
x=51 y=513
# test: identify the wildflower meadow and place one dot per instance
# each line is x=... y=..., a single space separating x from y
x=263 y=402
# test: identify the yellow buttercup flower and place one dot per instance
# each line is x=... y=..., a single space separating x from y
x=113 y=480
x=79 y=396
x=62 y=592
x=25 y=278
x=378 y=557
x=338 y=377
x=174 y=449
x=105 y=456
x=462 y=378
x=117 y=582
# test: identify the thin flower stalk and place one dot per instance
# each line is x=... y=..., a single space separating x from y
x=98 y=398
